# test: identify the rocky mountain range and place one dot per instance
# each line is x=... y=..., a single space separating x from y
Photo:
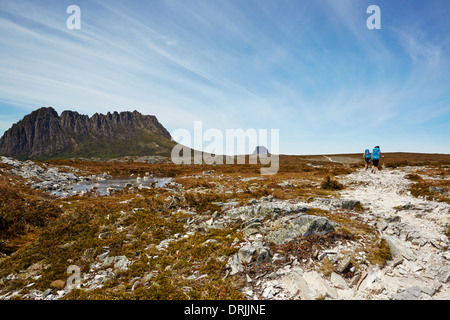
x=44 y=134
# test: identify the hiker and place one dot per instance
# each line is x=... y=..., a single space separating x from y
x=367 y=158
x=376 y=156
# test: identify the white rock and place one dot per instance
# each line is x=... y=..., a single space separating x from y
x=338 y=281
x=318 y=287
x=296 y=285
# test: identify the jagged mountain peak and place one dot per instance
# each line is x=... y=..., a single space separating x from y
x=43 y=134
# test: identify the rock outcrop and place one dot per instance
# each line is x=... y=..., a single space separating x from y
x=46 y=177
x=300 y=225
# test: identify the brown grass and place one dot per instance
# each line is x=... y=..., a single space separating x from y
x=38 y=228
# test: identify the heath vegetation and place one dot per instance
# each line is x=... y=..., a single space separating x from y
x=41 y=235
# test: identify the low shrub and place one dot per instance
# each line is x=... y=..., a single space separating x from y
x=19 y=212
x=330 y=184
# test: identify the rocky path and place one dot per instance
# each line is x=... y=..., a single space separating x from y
x=415 y=231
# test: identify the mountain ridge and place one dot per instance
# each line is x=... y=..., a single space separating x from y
x=43 y=134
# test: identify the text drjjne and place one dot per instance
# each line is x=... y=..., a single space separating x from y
x=244 y=310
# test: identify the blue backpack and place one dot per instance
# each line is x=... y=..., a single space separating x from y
x=367 y=154
x=376 y=154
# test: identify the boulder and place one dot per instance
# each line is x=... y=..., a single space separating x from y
x=416 y=292
x=318 y=287
x=261 y=210
x=121 y=263
x=245 y=254
x=347 y=204
x=235 y=264
x=302 y=225
x=410 y=293
x=440 y=190
x=343 y=264
x=338 y=281
x=398 y=250
x=263 y=256
x=296 y=285
x=251 y=227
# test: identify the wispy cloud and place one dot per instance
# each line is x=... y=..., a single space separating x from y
x=310 y=68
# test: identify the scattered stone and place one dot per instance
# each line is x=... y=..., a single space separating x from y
x=251 y=227
x=410 y=293
x=362 y=277
x=347 y=204
x=235 y=265
x=263 y=256
x=121 y=263
x=369 y=281
x=439 y=190
x=343 y=264
x=318 y=287
x=431 y=291
x=296 y=285
x=355 y=280
x=325 y=253
x=102 y=256
x=398 y=250
x=46 y=293
x=392 y=219
x=338 y=281
x=245 y=254
x=414 y=267
x=104 y=235
x=396 y=262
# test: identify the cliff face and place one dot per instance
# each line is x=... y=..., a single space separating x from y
x=44 y=134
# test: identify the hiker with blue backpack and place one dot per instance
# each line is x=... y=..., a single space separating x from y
x=376 y=156
x=367 y=158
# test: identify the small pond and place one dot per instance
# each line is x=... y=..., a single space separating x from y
x=104 y=187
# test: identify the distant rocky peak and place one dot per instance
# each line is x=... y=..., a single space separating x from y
x=261 y=150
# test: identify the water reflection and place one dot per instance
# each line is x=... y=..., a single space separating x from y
x=105 y=187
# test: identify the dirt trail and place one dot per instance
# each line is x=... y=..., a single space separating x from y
x=415 y=230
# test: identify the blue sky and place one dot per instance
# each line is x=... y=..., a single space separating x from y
x=311 y=69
